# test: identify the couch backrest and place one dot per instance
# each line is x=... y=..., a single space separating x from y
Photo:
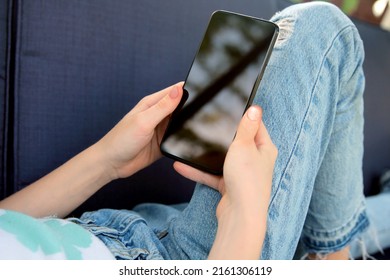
x=377 y=104
x=76 y=67
x=79 y=66
x=3 y=96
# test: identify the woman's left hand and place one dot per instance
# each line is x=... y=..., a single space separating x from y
x=134 y=142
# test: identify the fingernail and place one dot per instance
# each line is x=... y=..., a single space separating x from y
x=253 y=113
x=174 y=93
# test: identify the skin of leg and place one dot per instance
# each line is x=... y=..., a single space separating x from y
x=311 y=95
x=343 y=254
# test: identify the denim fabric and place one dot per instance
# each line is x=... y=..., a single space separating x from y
x=125 y=233
x=132 y=235
x=377 y=237
x=311 y=95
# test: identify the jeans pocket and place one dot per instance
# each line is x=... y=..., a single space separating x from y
x=124 y=233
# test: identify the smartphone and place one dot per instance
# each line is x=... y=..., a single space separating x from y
x=219 y=87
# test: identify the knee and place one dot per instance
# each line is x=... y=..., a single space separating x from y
x=321 y=12
x=316 y=16
x=322 y=9
x=314 y=24
x=324 y=13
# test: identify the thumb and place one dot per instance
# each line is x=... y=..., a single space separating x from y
x=249 y=125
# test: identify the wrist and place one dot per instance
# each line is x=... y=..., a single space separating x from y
x=239 y=236
x=250 y=211
x=102 y=164
x=254 y=220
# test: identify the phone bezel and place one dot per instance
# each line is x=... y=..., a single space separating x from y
x=250 y=99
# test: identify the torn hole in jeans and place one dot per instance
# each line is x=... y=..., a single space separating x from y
x=286 y=28
x=359 y=242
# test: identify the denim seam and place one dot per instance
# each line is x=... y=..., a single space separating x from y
x=362 y=223
x=284 y=172
x=359 y=219
x=114 y=238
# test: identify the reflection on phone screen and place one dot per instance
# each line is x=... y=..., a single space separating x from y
x=217 y=90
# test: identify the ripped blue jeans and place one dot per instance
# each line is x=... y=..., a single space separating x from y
x=311 y=95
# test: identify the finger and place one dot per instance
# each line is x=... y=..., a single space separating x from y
x=154 y=98
x=196 y=175
x=163 y=107
x=249 y=124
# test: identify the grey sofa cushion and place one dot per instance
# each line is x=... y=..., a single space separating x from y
x=76 y=67
x=79 y=66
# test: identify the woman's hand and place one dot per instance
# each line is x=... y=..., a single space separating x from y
x=134 y=142
x=245 y=188
x=248 y=167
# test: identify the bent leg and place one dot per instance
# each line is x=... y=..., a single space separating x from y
x=314 y=110
x=311 y=95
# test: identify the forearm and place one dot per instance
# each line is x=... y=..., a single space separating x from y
x=130 y=146
x=64 y=189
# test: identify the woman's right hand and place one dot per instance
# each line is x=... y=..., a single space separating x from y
x=245 y=188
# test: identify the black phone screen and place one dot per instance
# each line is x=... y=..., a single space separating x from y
x=219 y=87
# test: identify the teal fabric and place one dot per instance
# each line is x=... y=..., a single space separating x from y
x=44 y=238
